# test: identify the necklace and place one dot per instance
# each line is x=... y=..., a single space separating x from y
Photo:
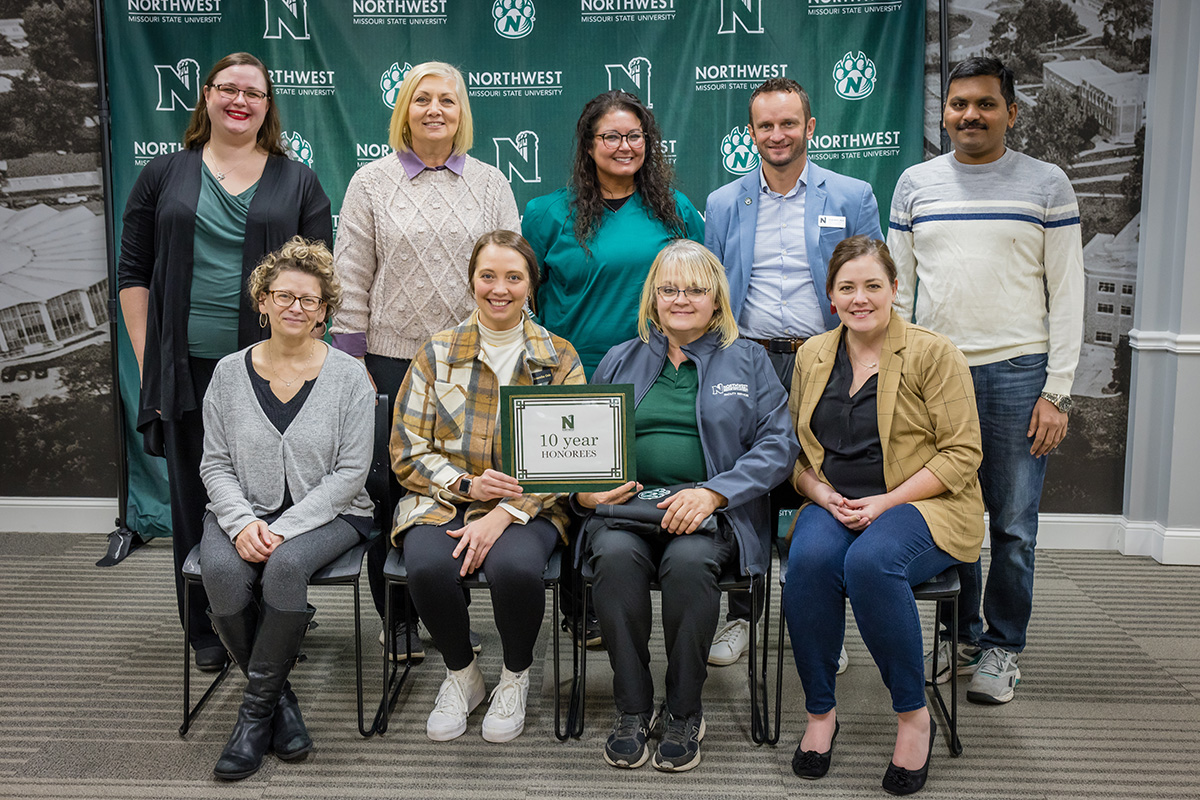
x=216 y=170
x=853 y=360
x=303 y=369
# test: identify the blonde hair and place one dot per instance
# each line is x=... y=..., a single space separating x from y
x=298 y=254
x=697 y=267
x=399 y=132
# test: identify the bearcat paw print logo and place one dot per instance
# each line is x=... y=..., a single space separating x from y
x=738 y=153
x=513 y=18
x=389 y=82
x=854 y=76
x=297 y=148
x=653 y=494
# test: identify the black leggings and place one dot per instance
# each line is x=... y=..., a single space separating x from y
x=514 y=568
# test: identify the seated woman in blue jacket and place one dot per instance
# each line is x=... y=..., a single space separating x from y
x=709 y=410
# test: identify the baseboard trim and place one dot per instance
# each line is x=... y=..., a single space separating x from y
x=1079 y=531
x=1164 y=545
x=57 y=514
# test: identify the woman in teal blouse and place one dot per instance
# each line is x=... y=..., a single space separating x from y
x=597 y=237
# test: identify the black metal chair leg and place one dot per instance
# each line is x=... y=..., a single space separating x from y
x=363 y=730
x=391 y=693
x=190 y=712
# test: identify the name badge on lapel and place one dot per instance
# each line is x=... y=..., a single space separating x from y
x=830 y=221
x=542 y=377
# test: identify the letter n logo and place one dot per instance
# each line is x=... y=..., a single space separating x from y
x=633 y=77
x=746 y=14
x=178 y=86
x=568 y=422
x=286 y=15
x=519 y=157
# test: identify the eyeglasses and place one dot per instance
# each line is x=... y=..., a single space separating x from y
x=229 y=91
x=691 y=292
x=308 y=302
x=612 y=139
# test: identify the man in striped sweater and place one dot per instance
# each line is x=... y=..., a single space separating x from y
x=988 y=248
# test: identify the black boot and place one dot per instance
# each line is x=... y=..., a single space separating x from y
x=289 y=735
x=273 y=654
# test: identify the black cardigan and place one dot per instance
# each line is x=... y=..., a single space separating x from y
x=156 y=253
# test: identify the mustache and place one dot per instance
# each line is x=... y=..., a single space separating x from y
x=974 y=125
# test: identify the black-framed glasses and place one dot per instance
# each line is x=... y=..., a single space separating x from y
x=691 y=292
x=612 y=139
x=230 y=92
x=308 y=302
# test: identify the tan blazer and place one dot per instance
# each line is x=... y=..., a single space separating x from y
x=927 y=418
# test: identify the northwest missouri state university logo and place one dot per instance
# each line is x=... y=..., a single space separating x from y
x=206 y=11
x=738 y=153
x=854 y=76
x=390 y=80
x=727 y=389
x=743 y=14
x=653 y=494
x=398 y=12
x=831 y=7
x=719 y=77
x=297 y=148
x=366 y=152
x=519 y=157
x=860 y=144
x=307 y=82
x=626 y=10
x=513 y=19
x=633 y=77
x=519 y=83
x=144 y=150
x=178 y=85
x=286 y=15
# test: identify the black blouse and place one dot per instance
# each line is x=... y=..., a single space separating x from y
x=847 y=426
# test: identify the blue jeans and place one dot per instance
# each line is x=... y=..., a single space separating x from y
x=876 y=569
x=1011 y=479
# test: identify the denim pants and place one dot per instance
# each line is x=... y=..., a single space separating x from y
x=876 y=568
x=1011 y=479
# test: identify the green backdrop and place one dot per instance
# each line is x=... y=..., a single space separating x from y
x=530 y=67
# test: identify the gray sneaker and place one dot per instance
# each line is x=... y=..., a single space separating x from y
x=996 y=679
x=679 y=748
x=968 y=661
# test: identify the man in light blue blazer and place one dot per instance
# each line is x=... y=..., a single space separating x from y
x=774 y=229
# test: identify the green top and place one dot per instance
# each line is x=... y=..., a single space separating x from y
x=592 y=300
x=217 y=289
x=667 y=435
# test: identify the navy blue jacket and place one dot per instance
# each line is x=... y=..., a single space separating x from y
x=745 y=429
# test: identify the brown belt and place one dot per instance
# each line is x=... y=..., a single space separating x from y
x=778 y=345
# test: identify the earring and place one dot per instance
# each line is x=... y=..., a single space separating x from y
x=832 y=308
x=262 y=320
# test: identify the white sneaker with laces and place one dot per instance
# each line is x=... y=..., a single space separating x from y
x=843 y=661
x=461 y=692
x=730 y=643
x=995 y=680
x=505 y=719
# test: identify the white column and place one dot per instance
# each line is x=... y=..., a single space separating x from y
x=1162 y=463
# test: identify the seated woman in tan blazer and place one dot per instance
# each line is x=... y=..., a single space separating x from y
x=889 y=434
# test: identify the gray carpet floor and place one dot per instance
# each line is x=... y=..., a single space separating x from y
x=90 y=701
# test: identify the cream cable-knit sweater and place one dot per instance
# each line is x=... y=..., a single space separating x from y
x=403 y=245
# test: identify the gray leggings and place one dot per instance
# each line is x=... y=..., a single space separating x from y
x=230 y=580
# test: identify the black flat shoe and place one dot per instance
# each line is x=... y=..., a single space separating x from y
x=900 y=781
x=809 y=764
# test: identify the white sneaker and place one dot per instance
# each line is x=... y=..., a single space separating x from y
x=461 y=692
x=730 y=643
x=843 y=661
x=505 y=717
x=968 y=661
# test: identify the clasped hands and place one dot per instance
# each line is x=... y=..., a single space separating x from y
x=686 y=510
x=255 y=542
x=855 y=514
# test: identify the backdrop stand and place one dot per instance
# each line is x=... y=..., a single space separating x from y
x=124 y=540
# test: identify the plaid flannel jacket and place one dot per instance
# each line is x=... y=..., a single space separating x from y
x=927 y=418
x=446 y=423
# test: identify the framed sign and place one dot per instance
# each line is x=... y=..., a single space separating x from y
x=568 y=438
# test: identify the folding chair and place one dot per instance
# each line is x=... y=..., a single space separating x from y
x=342 y=571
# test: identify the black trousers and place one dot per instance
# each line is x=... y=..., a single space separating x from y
x=183 y=443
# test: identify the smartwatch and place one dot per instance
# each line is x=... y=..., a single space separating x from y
x=464 y=485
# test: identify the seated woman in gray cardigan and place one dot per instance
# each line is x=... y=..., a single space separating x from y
x=287 y=448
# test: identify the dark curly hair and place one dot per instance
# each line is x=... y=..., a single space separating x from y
x=654 y=180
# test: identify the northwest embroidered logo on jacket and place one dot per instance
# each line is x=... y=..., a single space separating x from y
x=727 y=389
